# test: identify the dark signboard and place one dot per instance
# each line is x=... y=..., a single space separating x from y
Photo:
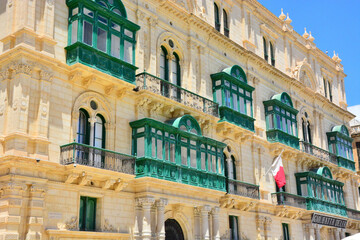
x=328 y=221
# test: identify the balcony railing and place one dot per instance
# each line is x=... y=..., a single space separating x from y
x=159 y=86
x=326 y=206
x=243 y=189
x=354 y=214
x=76 y=153
x=318 y=152
x=288 y=199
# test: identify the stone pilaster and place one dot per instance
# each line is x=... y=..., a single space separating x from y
x=317 y=231
x=35 y=213
x=342 y=233
x=336 y=233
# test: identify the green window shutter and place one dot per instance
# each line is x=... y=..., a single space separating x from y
x=81 y=213
x=233 y=222
x=285 y=227
x=90 y=214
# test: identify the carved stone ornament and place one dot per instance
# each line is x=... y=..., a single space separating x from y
x=108 y=227
x=72 y=224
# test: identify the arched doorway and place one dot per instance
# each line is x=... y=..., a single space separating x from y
x=173 y=230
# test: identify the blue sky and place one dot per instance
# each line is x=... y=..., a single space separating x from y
x=335 y=25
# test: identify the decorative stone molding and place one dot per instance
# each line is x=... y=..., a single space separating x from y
x=72 y=224
x=108 y=227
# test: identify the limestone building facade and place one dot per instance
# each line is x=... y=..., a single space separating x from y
x=159 y=119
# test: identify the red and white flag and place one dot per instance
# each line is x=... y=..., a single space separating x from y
x=277 y=170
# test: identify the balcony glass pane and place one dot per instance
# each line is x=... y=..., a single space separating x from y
x=115 y=46
x=101 y=39
x=87 y=33
x=128 y=52
x=140 y=146
x=74 y=31
x=184 y=156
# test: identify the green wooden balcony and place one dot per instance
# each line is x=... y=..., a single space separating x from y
x=353 y=214
x=94 y=58
x=326 y=206
x=309 y=203
x=276 y=135
x=229 y=115
x=243 y=189
x=76 y=153
x=318 y=152
x=176 y=93
x=171 y=171
x=346 y=163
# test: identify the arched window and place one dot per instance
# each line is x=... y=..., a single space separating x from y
x=83 y=129
x=330 y=93
x=325 y=87
x=175 y=70
x=101 y=31
x=226 y=24
x=272 y=54
x=266 y=56
x=217 y=17
x=306 y=129
x=164 y=64
x=99 y=132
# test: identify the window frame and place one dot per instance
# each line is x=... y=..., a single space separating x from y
x=111 y=18
x=217 y=17
x=83 y=214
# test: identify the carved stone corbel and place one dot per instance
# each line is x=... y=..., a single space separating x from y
x=71 y=178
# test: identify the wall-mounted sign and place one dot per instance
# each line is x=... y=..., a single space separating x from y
x=328 y=221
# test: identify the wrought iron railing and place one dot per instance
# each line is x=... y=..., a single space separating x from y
x=354 y=214
x=159 y=86
x=288 y=199
x=318 y=152
x=243 y=189
x=82 y=154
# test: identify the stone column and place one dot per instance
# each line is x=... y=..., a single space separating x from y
x=317 y=232
x=336 y=233
x=310 y=233
x=146 y=204
x=331 y=234
x=197 y=227
x=205 y=234
x=160 y=226
x=215 y=223
x=342 y=233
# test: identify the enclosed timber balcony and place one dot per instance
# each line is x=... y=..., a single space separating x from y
x=276 y=135
x=318 y=152
x=89 y=56
x=76 y=153
x=346 y=163
x=229 y=115
x=243 y=189
x=326 y=206
x=354 y=214
x=309 y=203
x=288 y=199
x=146 y=81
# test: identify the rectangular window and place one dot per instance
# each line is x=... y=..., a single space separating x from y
x=115 y=46
x=235 y=102
x=115 y=26
x=74 y=31
x=87 y=33
x=234 y=231
x=140 y=147
x=101 y=39
x=286 y=234
x=87 y=213
x=325 y=89
x=88 y=13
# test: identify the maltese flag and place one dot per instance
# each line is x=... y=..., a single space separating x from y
x=277 y=170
